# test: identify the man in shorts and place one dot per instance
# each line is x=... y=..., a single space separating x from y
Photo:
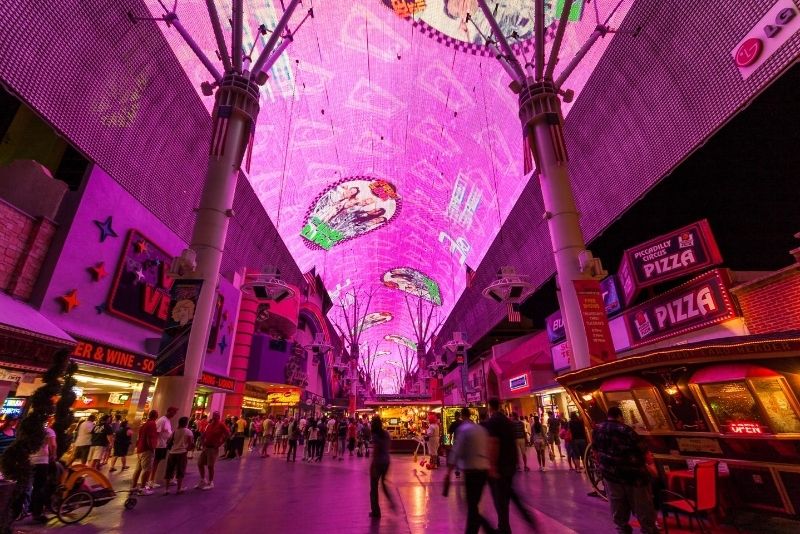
x=216 y=435
x=83 y=441
x=164 y=428
x=553 y=429
x=145 y=452
x=101 y=439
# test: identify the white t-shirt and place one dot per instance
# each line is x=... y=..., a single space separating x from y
x=164 y=429
x=181 y=441
x=42 y=456
x=433 y=433
x=84 y=438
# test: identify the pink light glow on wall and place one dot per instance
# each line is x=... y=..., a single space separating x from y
x=363 y=92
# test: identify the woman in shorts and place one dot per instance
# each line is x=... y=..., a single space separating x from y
x=539 y=440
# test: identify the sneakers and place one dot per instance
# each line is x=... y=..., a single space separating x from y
x=201 y=484
x=153 y=485
x=208 y=486
x=145 y=491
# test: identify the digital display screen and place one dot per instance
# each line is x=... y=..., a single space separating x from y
x=13 y=406
x=401 y=100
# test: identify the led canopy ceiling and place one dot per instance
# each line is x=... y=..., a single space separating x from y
x=388 y=150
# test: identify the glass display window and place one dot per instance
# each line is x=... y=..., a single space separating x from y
x=641 y=408
x=775 y=401
x=752 y=400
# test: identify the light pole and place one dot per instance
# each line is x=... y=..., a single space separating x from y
x=542 y=128
x=234 y=116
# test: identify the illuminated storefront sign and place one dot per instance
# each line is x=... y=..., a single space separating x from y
x=518 y=382
x=701 y=302
x=140 y=291
x=745 y=428
x=13 y=406
x=687 y=250
x=216 y=381
x=97 y=353
x=766 y=37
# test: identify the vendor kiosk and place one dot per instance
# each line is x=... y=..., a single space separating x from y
x=734 y=400
x=405 y=420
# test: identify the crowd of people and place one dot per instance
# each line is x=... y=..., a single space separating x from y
x=103 y=441
x=489 y=452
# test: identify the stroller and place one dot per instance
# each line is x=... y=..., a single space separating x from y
x=78 y=489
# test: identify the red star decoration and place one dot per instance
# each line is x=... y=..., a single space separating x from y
x=69 y=301
x=98 y=271
x=140 y=246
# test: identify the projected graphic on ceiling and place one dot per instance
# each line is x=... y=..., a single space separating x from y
x=375 y=318
x=414 y=282
x=401 y=340
x=366 y=94
x=349 y=209
x=450 y=17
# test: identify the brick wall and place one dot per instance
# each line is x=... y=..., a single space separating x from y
x=24 y=243
x=772 y=303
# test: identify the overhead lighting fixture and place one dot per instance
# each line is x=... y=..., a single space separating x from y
x=103 y=381
x=267 y=286
x=508 y=287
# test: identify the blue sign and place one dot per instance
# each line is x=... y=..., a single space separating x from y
x=610 y=292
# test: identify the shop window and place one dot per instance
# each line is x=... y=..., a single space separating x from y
x=734 y=407
x=777 y=407
x=641 y=409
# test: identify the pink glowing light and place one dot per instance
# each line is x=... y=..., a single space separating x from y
x=364 y=91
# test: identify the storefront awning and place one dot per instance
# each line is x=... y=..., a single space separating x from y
x=18 y=318
x=624 y=383
x=730 y=372
x=28 y=340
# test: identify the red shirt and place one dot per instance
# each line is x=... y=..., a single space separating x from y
x=215 y=434
x=148 y=437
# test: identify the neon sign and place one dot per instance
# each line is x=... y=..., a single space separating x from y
x=518 y=382
x=745 y=428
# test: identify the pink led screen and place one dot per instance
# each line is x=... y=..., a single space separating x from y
x=400 y=100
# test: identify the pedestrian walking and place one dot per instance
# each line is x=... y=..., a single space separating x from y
x=122 y=443
x=519 y=439
x=539 y=440
x=146 y=444
x=578 y=436
x=471 y=456
x=379 y=467
x=503 y=466
x=621 y=455
x=294 y=435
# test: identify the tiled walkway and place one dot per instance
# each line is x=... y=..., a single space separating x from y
x=271 y=495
